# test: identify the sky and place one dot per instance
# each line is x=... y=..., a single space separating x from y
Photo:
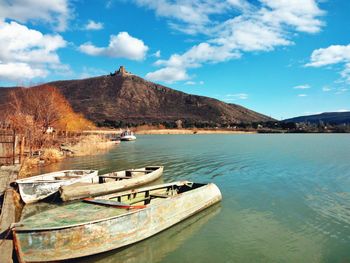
x=282 y=58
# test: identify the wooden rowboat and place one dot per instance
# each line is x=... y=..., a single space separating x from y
x=33 y=189
x=112 y=182
x=109 y=222
x=158 y=247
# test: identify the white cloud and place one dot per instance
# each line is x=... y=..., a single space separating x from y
x=302 y=95
x=20 y=71
x=240 y=27
x=195 y=57
x=122 y=45
x=92 y=25
x=345 y=73
x=341 y=91
x=188 y=16
x=157 y=54
x=334 y=54
x=238 y=96
x=109 y=4
x=56 y=13
x=326 y=89
x=168 y=75
x=306 y=86
x=331 y=55
x=343 y=110
x=26 y=53
x=89 y=72
x=300 y=14
x=199 y=54
x=192 y=83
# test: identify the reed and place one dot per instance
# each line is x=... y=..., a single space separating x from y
x=27 y=165
x=51 y=155
x=91 y=145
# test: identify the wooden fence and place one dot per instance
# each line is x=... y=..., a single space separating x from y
x=11 y=147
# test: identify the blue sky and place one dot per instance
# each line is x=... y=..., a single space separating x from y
x=283 y=58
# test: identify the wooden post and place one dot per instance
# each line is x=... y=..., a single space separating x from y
x=7 y=217
x=21 y=151
x=14 y=148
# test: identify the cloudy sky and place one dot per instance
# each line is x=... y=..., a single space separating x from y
x=283 y=58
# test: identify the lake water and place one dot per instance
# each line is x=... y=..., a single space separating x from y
x=286 y=198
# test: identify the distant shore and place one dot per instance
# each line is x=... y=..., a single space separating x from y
x=190 y=131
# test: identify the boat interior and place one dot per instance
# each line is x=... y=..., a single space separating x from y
x=105 y=206
x=141 y=199
x=58 y=176
x=127 y=174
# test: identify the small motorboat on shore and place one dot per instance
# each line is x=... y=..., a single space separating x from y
x=127 y=136
x=105 y=223
x=33 y=189
x=111 y=183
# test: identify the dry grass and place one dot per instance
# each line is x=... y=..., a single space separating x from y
x=91 y=145
x=27 y=165
x=51 y=155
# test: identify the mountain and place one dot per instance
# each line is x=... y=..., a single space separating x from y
x=327 y=117
x=125 y=97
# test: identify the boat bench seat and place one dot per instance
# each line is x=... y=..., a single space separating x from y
x=102 y=177
x=159 y=195
x=115 y=176
x=130 y=172
x=140 y=200
x=66 y=177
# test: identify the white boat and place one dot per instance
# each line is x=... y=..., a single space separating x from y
x=127 y=136
x=33 y=189
x=112 y=183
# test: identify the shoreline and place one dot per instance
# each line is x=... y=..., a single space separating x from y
x=189 y=131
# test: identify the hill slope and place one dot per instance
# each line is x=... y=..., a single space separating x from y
x=132 y=99
x=327 y=117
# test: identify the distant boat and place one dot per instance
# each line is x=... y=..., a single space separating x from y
x=101 y=224
x=111 y=183
x=127 y=136
x=33 y=189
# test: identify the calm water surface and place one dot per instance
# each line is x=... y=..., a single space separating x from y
x=286 y=198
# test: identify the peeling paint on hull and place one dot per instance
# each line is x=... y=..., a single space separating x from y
x=72 y=192
x=33 y=189
x=111 y=233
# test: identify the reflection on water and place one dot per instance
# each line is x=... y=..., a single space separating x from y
x=286 y=198
x=155 y=248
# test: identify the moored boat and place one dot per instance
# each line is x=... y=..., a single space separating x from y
x=33 y=189
x=111 y=183
x=109 y=222
x=127 y=136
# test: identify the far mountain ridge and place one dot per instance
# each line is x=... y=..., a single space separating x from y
x=122 y=96
x=326 y=117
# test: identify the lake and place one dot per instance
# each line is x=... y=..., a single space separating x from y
x=286 y=198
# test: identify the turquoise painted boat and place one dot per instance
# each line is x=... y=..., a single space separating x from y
x=109 y=222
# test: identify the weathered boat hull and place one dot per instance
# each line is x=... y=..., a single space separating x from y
x=33 y=190
x=39 y=245
x=74 y=192
x=156 y=248
x=128 y=138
